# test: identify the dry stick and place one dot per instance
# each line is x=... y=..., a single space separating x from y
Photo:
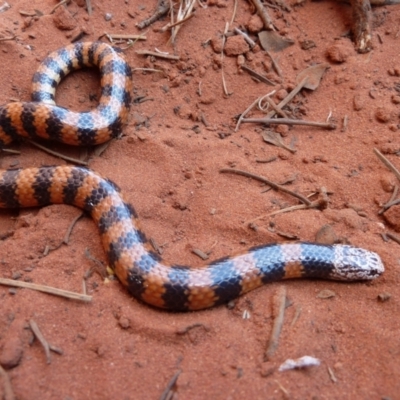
x=10 y=151
x=273 y=105
x=393 y=237
x=147 y=70
x=234 y=12
x=162 y=9
x=288 y=121
x=296 y=315
x=27 y=13
x=268 y=182
x=278 y=306
x=36 y=331
x=387 y=163
x=257 y=75
x=332 y=375
x=321 y=204
x=262 y=12
x=89 y=6
x=183 y=13
x=274 y=64
x=116 y=36
x=166 y=393
x=47 y=346
x=71 y=226
x=391 y=202
x=57 y=154
x=289 y=97
x=284 y=390
x=244 y=113
x=58 y=5
x=155 y=54
x=282 y=211
x=222 y=61
x=66 y=236
x=8 y=392
x=172 y=25
x=8 y=38
x=247 y=38
x=45 y=289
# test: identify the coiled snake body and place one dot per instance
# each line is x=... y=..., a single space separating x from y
x=141 y=270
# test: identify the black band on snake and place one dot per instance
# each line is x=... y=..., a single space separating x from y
x=137 y=266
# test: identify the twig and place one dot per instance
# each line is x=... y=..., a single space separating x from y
x=257 y=75
x=8 y=38
x=268 y=182
x=332 y=375
x=288 y=209
x=58 y=5
x=279 y=302
x=286 y=393
x=99 y=268
x=45 y=289
x=234 y=12
x=262 y=12
x=245 y=112
x=320 y=204
x=89 y=7
x=39 y=336
x=289 y=97
x=288 y=121
x=296 y=316
x=66 y=236
x=160 y=55
x=273 y=105
x=172 y=25
x=274 y=64
x=387 y=163
x=10 y=151
x=162 y=9
x=57 y=154
x=166 y=393
x=116 y=36
x=71 y=226
x=247 y=38
x=185 y=10
x=147 y=70
x=392 y=202
x=8 y=392
x=393 y=237
x=222 y=61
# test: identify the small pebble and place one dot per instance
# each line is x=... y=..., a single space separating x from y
x=326 y=294
x=385 y=296
x=124 y=323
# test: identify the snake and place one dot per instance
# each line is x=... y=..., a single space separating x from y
x=137 y=265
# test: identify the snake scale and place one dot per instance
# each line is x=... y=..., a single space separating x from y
x=137 y=266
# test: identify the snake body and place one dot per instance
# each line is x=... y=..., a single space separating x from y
x=140 y=269
x=42 y=118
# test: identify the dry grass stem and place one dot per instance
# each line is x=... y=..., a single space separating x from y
x=159 y=55
x=184 y=13
x=387 y=163
x=45 y=289
x=57 y=154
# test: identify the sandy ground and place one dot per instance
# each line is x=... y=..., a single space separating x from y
x=167 y=163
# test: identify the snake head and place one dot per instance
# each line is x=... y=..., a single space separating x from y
x=353 y=264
